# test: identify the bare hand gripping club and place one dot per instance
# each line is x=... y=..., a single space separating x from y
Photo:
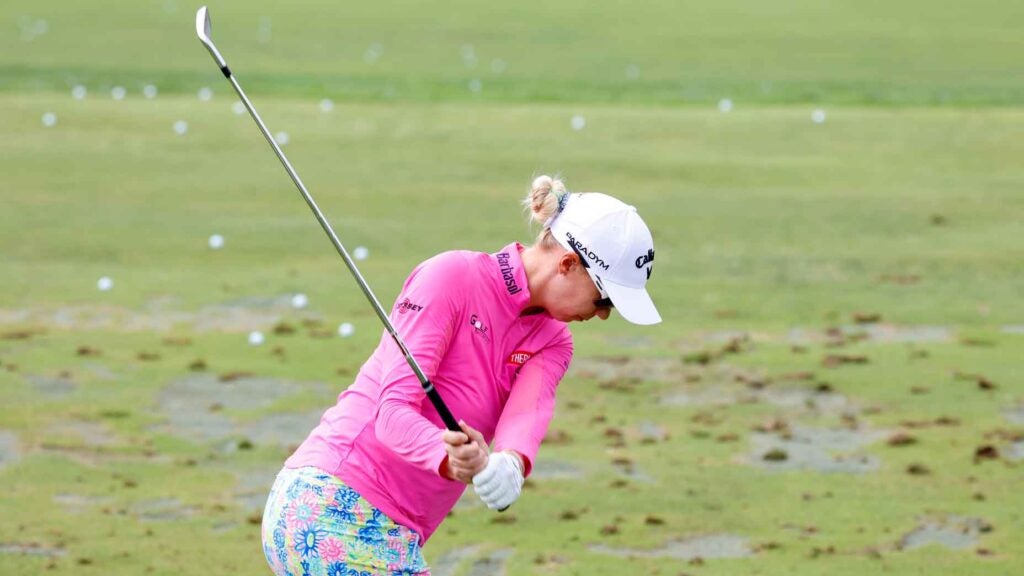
x=203 y=31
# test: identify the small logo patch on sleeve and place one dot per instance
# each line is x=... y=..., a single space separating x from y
x=519 y=357
x=405 y=306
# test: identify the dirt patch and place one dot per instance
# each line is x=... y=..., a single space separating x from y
x=817 y=449
x=9 y=450
x=195 y=407
x=704 y=547
x=953 y=532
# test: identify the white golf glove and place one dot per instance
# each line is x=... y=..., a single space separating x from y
x=500 y=482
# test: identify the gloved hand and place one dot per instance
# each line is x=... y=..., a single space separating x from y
x=501 y=481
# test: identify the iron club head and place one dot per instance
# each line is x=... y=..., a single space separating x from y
x=203 y=32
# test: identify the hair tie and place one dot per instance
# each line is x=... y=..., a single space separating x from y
x=563 y=199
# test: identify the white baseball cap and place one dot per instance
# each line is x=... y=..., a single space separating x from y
x=615 y=247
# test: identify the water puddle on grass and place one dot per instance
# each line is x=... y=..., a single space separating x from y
x=704 y=547
x=1015 y=415
x=78 y=503
x=30 y=550
x=621 y=369
x=51 y=386
x=1016 y=451
x=553 y=469
x=162 y=510
x=877 y=333
x=489 y=564
x=194 y=408
x=800 y=399
x=817 y=449
x=161 y=314
x=9 y=450
x=253 y=487
x=953 y=532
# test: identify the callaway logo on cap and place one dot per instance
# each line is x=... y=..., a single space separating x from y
x=615 y=247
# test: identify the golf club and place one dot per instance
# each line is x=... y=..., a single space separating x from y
x=203 y=31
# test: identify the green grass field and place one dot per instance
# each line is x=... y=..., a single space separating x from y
x=837 y=387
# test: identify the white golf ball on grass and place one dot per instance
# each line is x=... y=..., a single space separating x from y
x=360 y=253
x=205 y=94
x=300 y=301
x=149 y=91
x=238 y=108
x=725 y=105
x=578 y=122
x=255 y=338
x=180 y=127
x=326 y=105
x=104 y=284
x=49 y=119
x=818 y=116
x=346 y=329
x=118 y=92
x=216 y=242
x=78 y=92
x=282 y=138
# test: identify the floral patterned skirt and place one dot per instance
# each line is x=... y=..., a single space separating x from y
x=316 y=525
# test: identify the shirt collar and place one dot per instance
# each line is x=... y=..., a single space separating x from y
x=511 y=277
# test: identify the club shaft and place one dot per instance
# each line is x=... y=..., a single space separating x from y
x=428 y=387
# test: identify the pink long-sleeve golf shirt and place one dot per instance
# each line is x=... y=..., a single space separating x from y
x=459 y=314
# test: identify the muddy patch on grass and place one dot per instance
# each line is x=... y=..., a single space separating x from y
x=816 y=449
x=195 y=408
x=704 y=547
x=9 y=450
x=953 y=532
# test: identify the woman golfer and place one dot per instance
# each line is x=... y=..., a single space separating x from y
x=376 y=477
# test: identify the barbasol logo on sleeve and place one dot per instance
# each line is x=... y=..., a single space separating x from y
x=519 y=357
x=507 y=275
